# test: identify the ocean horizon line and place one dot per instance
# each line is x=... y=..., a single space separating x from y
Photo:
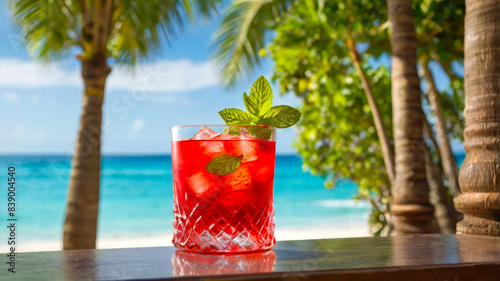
x=110 y=155
x=140 y=154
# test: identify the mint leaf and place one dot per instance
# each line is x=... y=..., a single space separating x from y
x=249 y=104
x=224 y=164
x=261 y=97
x=280 y=116
x=234 y=116
x=233 y=131
x=262 y=133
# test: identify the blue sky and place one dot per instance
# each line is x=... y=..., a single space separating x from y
x=40 y=104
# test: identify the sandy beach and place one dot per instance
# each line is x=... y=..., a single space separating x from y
x=282 y=234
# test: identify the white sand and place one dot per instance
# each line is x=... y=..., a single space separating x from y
x=359 y=229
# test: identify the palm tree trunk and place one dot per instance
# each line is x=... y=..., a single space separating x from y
x=445 y=213
x=80 y=226
x=430 y=135
x=480 y=173
x=448 y=160
x=385 y=144
x=411 y=208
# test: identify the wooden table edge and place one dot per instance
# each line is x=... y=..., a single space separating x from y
x=457 y=271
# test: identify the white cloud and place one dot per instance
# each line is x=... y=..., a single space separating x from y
x=136 y=130
x=137 y=125
x=168 y=98
x=162 y=76
x=28 y=75
x=165 y=76
x=10 y=97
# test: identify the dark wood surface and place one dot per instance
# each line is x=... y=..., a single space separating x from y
x=419 y=257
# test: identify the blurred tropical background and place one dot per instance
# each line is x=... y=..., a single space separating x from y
x=151 y=65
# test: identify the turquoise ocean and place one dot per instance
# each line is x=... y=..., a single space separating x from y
x=136 y=196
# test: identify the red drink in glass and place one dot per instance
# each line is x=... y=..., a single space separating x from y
x=223 y=213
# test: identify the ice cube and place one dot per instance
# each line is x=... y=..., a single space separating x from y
x=248 y=149
x=202 y=182
x=205 y=134
x=244 y=146
x=240 y=179
x=212 y=148
x=226 y=137
x=239 y=134
x=240 y=145
x=245 y=135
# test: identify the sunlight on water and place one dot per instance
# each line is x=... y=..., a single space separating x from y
x=342 y=204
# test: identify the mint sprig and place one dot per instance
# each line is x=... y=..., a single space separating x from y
x=260 y=110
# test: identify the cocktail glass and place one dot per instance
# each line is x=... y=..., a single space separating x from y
x=223 y=213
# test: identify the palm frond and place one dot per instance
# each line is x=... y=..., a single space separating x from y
x=241 y=35
x=140 y=27
x=206 y=7
x=134 y=31
x=49 y=27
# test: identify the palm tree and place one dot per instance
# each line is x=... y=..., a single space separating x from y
x=448 y=160
x=480 y=173
x=444 y=24
x=126 y=30
x=411 y=208
x=242 y=35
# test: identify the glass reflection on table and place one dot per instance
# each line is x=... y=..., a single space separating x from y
x=196 y=264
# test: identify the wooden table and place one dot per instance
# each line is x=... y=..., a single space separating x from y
x=418 y=257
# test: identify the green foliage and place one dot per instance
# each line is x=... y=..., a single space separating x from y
x=241 y=35
x=140 y=25
x=440 y=29
x=440 y=32
x=336 y=137
x=48 y=26
x=128 y=30
x=313 y=53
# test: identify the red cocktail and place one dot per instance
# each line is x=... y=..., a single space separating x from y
x=223 y=188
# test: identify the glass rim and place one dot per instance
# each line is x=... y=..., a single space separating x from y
x=225 y=125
